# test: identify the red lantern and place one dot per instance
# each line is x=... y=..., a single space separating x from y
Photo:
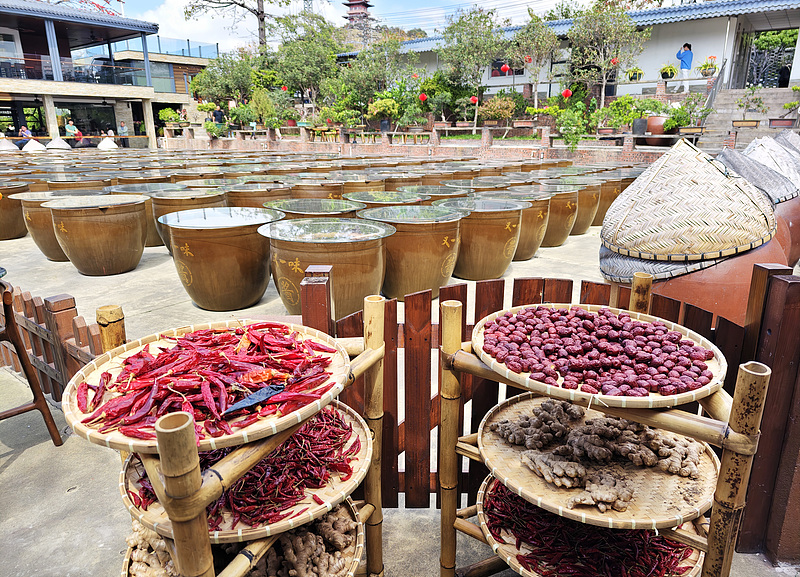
x=505 y=68
x=528 y=59
x=566 y=93
x=423 y=97
x=284 y=88
x=330 y=121
x=473 y=99
x=614 y=61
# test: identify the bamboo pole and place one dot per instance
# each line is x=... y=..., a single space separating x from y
x=180 y=466
x=483 y=568
x=469 y=528
x=734 y=473
x=364 y=362
x=373 y=408
x=247 y=558
x=450 y=395
x=111 y=321
x=639 y=301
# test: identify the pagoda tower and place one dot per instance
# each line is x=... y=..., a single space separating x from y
x=357 y=11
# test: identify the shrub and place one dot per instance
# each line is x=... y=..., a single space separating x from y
x=383 y=108
x=497 y=108
x=169 y=115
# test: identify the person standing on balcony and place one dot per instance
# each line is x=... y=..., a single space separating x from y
x=122 y=130
x=685 y=56
x=70 y=129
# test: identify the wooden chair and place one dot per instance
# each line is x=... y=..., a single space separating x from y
x=10 y=332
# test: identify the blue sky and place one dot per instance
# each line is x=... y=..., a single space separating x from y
x=230 y=31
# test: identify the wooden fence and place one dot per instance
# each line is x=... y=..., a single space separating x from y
x=60 y=342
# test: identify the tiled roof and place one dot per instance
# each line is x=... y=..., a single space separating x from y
x=69 y=14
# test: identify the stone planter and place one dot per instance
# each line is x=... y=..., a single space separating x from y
x=745 y=123
x=781 y=122
x=708 y=72
x=523 y=124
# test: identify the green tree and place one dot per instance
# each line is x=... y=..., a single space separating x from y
x=604 y=40
x=533 y=46
x=307 y=55
x=471 y=41
x=564 y=10
x=773 y=39
x=256 y=8
x=416 y=33
x=227 y=77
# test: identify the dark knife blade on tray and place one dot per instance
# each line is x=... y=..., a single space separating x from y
x=259 y=396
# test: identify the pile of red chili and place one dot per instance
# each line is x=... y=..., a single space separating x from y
x=307 y=460
x=560 y=546
x=205 y=373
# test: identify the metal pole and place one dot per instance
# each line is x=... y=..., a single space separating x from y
x=52 y=46
x=146 y=57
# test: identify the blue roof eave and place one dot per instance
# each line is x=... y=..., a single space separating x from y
x=66 y=14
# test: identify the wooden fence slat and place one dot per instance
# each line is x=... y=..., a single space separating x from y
x=418 y=398
x=390 y=478
x=698 y=320
x=669 y=309
x=756 y=300
x=557 y=290
x=729 y=337
x=352 y=326
x=778 y=348
x=36 y=351
x=60 y=310
x=317 y=308
x=623 y=297
x=95 y=342
x=47 y=345
x=595 y=293
x=19 y=308
x=488 y=299
x=527 y=291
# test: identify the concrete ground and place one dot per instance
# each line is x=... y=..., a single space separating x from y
x=60 y=510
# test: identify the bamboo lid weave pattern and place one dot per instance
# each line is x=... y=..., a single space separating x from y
x=685 y=207
x=769 y=181
x=660 y=500
x=508 y=551
x=790 y=140
x=619 y=268
x=773 y=155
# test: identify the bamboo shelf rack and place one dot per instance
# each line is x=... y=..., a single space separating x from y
x=731 y=423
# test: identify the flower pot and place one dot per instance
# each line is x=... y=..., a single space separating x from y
x=781 y=122
x=691 y=130
x=639 y=126
x=301 y=123
x=291 y=122
x=523 y=124
x=491 y=122
x=463 y=124
x=442 y=124
x=745 y=123
x=706 y=72
x=667 y=75
x=606 y=130
x=635 y=76
x=655 y=126
x=183 y=124
x=386 y=125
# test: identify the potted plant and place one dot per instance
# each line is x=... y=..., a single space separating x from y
x=170 y=117
x=213 y=130
x=384 y=109
x=290 y=116
x=692 y=114
x=207 y=107
x=668 y=71
x=466 y=110
x=750 y=102
x=242 y=115
x=789 y=107
x=438 y=103
x=599 y=121
x=496 y=110
x=708 y=67
x=634 y=73
x=262 y=106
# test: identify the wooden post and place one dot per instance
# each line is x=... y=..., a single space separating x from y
x=450 y=395
x=640 y=293
x=734 y=472
x=373 y=402
x=756 y=300
x=316 y=304
x=59 y=312
x=180 y=467
x=111 y=320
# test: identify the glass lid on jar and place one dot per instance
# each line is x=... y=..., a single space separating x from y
x=327 y=230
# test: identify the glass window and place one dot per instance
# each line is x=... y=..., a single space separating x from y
x=90 y=119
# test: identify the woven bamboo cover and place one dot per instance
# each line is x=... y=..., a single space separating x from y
x=773 y=155
x=620 y=268
x=354 y=555
x=718 y=366
x=685 y=207
x=508 y=550
x=660 y=500
x=332 y=494
x=790 y=140
x=772 y=183
x=112 y=362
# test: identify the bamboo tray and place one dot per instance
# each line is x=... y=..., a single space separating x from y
x=508 y=551
x=111 y=362
x=718 y=366
x=358 y=550
x=661 y=500
x=335 y=492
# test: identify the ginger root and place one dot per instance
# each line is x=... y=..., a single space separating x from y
x=605 y=491
x=679 y=456
x=554 y=469
x=550 y=421
x=149 y=557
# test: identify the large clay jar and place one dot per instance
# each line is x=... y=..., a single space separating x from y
x=609 y=191
x=255 y=195
x=722 y=289
x=307 y=188
x=147 y=189
x=12 y=221
x=221 y=259
x=71 y=181
x=39 y=220
x=789 y=211
x=167 y=201
x=296 y=208
x=589 y=190
x=534 y=219
x=422 y=254
x=355 y=248
x=101 y=235
x=395 y=181
x=210 y=183
x=489 y=235
x=358 y=185
x=143 y=179
x=435 y=176
x=377 y=199
x=655 y=126
x=437 y=192
x=563 y=210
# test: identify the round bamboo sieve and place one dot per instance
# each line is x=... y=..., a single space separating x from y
x=718 y=366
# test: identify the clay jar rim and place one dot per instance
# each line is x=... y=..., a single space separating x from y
x=436 y=190
x=384 y=214
x=314 y=206
x=379 y=230
x=385 y=197
x=187 y=194
x=11 y=187
x=48 y=195
x=100 y=202
x=521 y=196
x=143 y=187
x=192 y=219
x=483 y=205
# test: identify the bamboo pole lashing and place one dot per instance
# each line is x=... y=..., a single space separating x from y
x=364 y=362
x=641 y=287
x=247 y=558
x=180 y=466
x=374 y=307
x=450 y=396
x=468 y=528
x=752 y=382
